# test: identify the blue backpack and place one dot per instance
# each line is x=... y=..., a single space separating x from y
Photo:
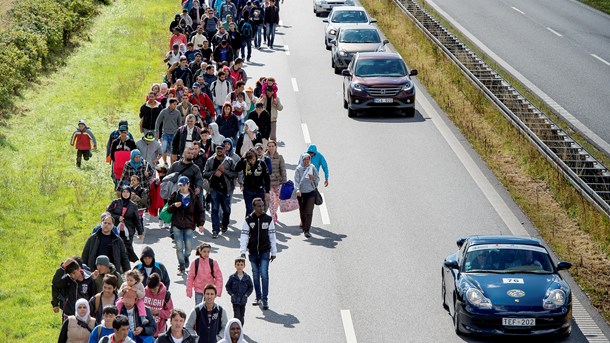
x=246 y=30
x=286 y=190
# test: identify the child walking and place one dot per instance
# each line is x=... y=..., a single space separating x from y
x=81 y=140
x=239 y=287
x=203 y=271
x=133 y=289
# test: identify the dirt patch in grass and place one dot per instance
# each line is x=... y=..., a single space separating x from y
x=5 y=5
x=574 y=229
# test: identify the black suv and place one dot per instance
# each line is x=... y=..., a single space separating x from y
x=378 y=80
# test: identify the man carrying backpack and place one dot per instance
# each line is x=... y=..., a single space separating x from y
x=247 y=33
x=207 y=319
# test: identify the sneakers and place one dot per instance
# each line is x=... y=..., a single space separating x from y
x=256 y=302
x=307 y=234
x=181 y=270
x=223 y=229
x=265 y=305
x=214 y=235
x=144 y=320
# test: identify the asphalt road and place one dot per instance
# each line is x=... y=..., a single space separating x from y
x=561 y=46
x=401 y=191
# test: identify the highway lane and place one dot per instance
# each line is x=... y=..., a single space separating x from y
x=398 y=198
x=562 y=47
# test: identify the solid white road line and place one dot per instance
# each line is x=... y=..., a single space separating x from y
x=585 y=323
x=512 y=222
x=286 y=50
x=601 y=59
x=348 y=326
x=294 y=84
x=518 y=10
x=324 y=211
x=599 y=142
x=554 y=32
x=306 y=133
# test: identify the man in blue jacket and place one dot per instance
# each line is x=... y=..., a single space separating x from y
x=318 y=160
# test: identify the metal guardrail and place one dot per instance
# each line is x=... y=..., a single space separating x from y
x=588 y=175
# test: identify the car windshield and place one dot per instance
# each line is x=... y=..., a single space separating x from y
x=349 y=17
x=359 y=36
x=384 y=68
x=507 y=258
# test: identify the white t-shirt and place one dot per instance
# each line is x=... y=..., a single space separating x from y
x=130 y=316
x=148 y=270
x=177 y=340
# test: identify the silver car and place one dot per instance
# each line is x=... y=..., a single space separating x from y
x=344 y=15
x=325 y=6
x=352 y=39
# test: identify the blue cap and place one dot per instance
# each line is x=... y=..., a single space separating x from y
x=183 y=180
x=196 y=84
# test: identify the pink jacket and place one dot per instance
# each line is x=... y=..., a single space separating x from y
x=157 y=302
x=204 y=276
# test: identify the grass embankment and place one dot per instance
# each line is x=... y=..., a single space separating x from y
x=49 y=206
x=575 y=229
x=602 y=5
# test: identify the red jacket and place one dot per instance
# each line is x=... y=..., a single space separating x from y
x=203 y=100
x=81 y=140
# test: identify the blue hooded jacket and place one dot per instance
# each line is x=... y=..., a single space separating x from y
x=318 y=160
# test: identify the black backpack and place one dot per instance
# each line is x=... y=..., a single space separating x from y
x=211 y=267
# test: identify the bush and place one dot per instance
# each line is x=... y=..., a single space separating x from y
x=34 y=32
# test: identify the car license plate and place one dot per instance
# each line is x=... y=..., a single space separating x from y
x=519 y=321
x=383 y=100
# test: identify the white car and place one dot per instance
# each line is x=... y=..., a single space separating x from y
x=325 y=6
x=344 y=15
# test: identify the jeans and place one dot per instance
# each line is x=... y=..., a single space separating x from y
x=198 y=297
x=251 y=195
x=220 y=199
x=258 y=31
x=166 y=142
x=260 y=270
x=239 y=312
x=270 y=34
x=247 y=43
x=184 y=244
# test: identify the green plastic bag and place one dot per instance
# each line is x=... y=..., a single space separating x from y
x=165 y=215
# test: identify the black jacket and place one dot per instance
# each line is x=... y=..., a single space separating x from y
x=256 y=177
x=239 y=290
x=119 y=256
x=132 y=219
x=272 y=15
x=189 y=170
x=179 y=142
x=263 y=121
x=157 y=267
x=186 y=218
x=149 y=115
x=74 y=290
x=229 y=173
x=150 y=328
x=167 y=337
x=258 y=231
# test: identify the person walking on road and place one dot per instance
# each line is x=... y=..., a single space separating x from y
x=305 y=183
x=122 y=331
x=106 y=241
x=125 y=213
x=318 y=160
x=220 y=171
x=203 y=271
x=233 y=332
x=258 y=238
x=170 y=119
x=148 y=265
x=135 y=166
x=176 y=331
x=75 y=284
x=277 y=177
x=187 y=212
x=272 y=19
x=77 y=328
x=239 y=286
x=256 y=179
x=150 y=149
x=208 y=319
x=106 y=297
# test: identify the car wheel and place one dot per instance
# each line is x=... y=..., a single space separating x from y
x=332 y=62
x=337 y=70
x=327 y=46
x=344 y=103
x=444 y=291
x=316 y=12
x=351 y=113
x=409 y=112
x=456 y=319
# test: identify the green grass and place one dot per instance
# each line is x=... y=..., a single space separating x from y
x=574 y=228
x=602 y=5
x=49 y=206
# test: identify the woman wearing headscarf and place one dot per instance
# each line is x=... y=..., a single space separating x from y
x=234 y=332
x=217 y=138
x=125 y=214
x=248 y=139
x=135 y=166
x=306 y=180
x=277 y=177
x=77 y=328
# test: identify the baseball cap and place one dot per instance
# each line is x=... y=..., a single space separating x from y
x=183 y=180
x=196 y=84
x=123 y=128
x=259 y=146
x=149 y=137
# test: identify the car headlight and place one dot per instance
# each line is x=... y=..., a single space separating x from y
x=407 y=86
x=477 y=299
x=358 y=86
x=332 y=32
x=555 y=299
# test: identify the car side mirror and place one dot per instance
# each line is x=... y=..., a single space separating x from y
x=460 y=240
x=385 y=41
x=325 y=20
x=345 y=72
x=333 y=42
x=564 y=265
x=413 y=72
x=373 y=20
x=452 y=264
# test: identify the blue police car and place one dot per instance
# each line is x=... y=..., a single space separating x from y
x=506 y=285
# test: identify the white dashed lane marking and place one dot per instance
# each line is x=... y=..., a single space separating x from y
x=287 y=50
x=518 y=10
x=348 y=326
x=601 y=59
x=324 y=211
x=306 y=133
x=294 y=84
x=554 y=32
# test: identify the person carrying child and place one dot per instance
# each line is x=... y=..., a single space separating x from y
x=134 y=289
x=270 y=84
x=240 y=109
x=81 y=140
x=203 y=271
x=239 y=287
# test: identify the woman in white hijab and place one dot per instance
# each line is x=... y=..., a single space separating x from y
x=306 y=180
x=233 y=332
x=248 y=139
x=77 y=328
x=217 y=138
